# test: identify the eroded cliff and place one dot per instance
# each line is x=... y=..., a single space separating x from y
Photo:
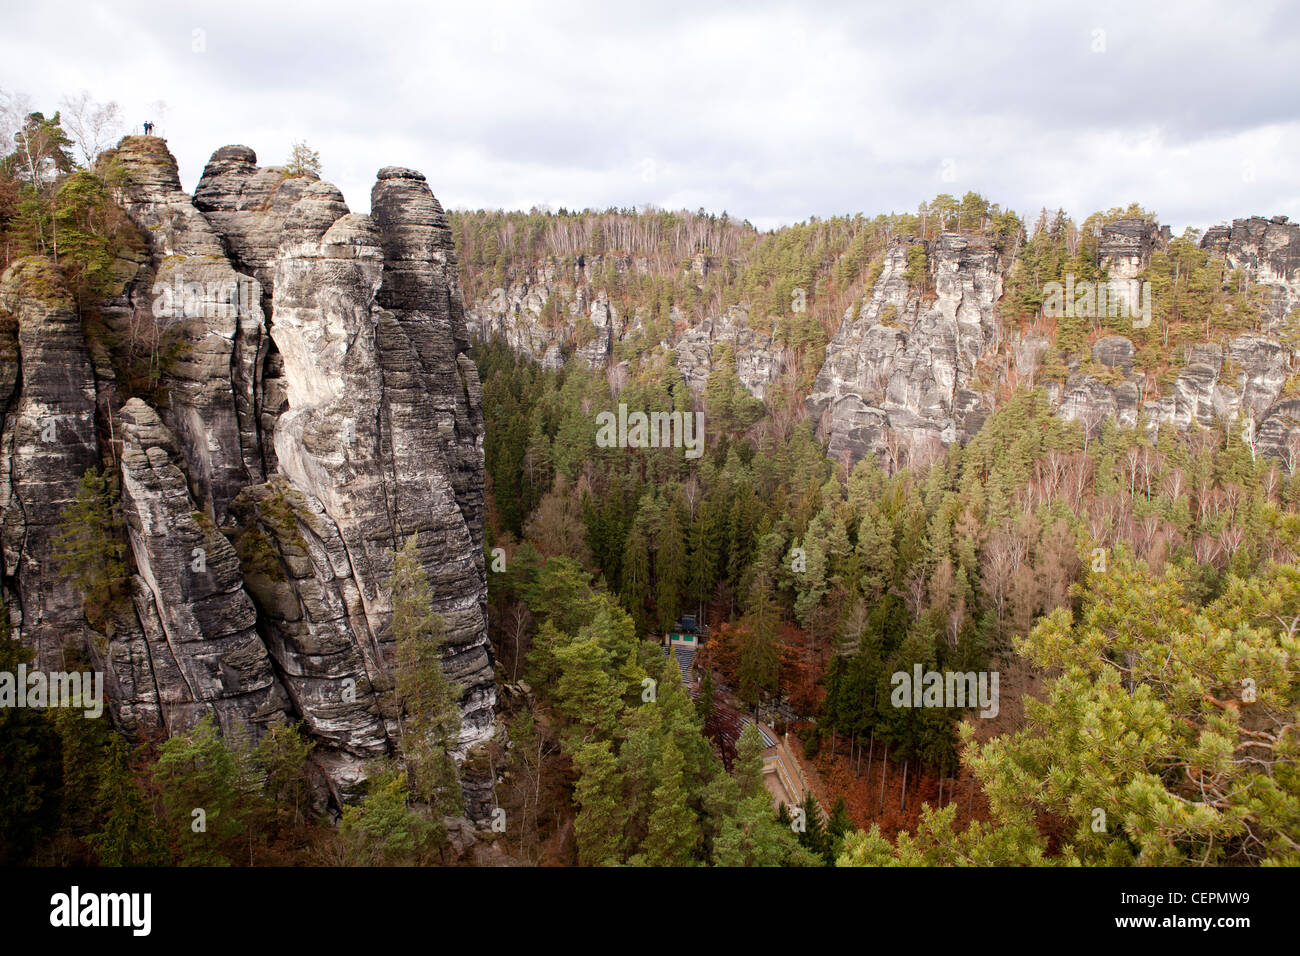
x=316 y=408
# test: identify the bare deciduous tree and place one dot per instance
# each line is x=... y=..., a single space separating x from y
x=92 y=125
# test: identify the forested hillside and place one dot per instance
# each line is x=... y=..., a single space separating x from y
x=1135 y=579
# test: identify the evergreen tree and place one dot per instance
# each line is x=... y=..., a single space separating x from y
x=602 y=814
x=383 y=830
x=748 y=766
x=759 y=658
x=670 y=566
x=303 y=160
x=430 y=715
x=89 y=548
x=815 y=836
x=673 y=830
x=128 y=832
x=198 y=779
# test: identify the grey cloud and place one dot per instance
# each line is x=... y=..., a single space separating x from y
x=771 y=111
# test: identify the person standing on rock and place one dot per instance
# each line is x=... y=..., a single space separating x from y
x=148 y=128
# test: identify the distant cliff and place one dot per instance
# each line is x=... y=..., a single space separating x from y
x=923 y=355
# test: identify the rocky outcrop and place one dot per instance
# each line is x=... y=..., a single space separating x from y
x=298 y=571
x=250 y=207
x=1090 y=400
x=1267 y=251
x=898 y=372
x=48 y=441
x=514 y=314
x=1126 y=246
x=213 y=383
x=553 y=310
x=384 y=426
x=247 y=205
x=755 y=351
x=899 y=368
x=1242 y=384
x=198 y=622
x=265 y=492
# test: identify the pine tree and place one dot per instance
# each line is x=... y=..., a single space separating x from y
x=303 y=160
x=704 y=703
x=753 y=836
x=602 y=814
x=89 y=548
x=840 y=822
x=383 y=830
x=759 y=657
x=586 y=694
x=198 y=778
x=815 y=836
x=280 y=757
x=431 y=717
x=670 y=566
x=128 y=833
x=673 y=830
x=748 y=766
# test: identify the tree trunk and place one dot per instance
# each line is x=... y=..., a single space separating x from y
x=884 y=768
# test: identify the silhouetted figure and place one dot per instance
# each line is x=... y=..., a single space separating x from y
x=148 y=128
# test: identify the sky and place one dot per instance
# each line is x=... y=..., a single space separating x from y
x=772 y=112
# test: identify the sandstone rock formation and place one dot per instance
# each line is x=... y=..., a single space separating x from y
x=384 y=429
x=199 y=623
x=323 y=410
x=47 y=393
x=214 y=386
x=591 y=327
x=1267 y=251
x=897 y=380
x=901 y=367
x=915 y=367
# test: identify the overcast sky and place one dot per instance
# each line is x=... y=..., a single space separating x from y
x=769 y=111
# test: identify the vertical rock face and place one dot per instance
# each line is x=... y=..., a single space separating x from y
x=432 y=373
x=1124 y=252
x=1126 y=245
x=48 y=442
x=590 y=327
x=898 y=376
x=902 y=366
x=1268 y=252
x=199 y=622
x=1090 y=401
x=757 y=355
x=264 y=499
x=384 y=429
x=1242 y=384
x=214 y=385
x=513 y=314
x=249 y=207
x=297 y=568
